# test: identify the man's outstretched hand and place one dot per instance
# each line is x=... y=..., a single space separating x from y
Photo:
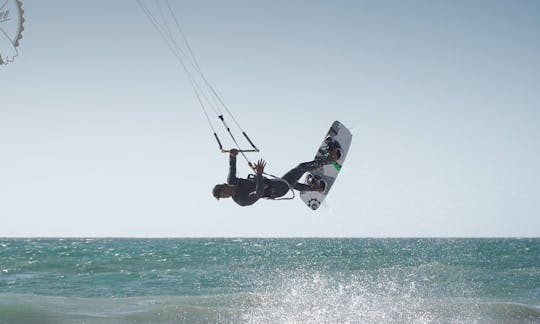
x=259 y=166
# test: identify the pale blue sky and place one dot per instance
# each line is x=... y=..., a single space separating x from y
x=101 y=134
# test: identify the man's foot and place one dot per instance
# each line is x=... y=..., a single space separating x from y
x=320 y=186
x=316 y=183
x=334 y=155
x=333 y=149
x=327 y=158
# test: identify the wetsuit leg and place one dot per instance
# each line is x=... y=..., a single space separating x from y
x=302 y=187
x=279 y=188
x=295 y=174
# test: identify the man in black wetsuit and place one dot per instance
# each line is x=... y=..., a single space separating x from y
x=246 y=192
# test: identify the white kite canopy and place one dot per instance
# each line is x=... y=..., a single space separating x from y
x=166 y=22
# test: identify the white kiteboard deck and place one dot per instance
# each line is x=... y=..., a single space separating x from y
x=338 y=135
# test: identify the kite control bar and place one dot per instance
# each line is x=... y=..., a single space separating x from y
x=241 y=151
x=255 y=149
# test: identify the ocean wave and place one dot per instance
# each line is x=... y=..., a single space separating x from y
x=309 y=300
x=25 y=308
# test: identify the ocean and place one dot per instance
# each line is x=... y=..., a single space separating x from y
x=213 y=280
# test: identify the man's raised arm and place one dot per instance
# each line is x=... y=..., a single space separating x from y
x=231 y=178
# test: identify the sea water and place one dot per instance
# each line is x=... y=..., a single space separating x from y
x=270 y=280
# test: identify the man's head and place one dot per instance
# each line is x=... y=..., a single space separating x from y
x=224 y=191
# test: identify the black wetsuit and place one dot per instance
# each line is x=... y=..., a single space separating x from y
x=248 y=191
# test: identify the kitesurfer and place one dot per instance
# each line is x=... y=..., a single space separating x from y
x=246 y=192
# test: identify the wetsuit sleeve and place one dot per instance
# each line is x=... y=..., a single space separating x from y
x=231 y=178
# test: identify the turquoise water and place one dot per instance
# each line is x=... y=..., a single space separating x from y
x=270 y=280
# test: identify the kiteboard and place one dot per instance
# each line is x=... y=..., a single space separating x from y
x=337 y=139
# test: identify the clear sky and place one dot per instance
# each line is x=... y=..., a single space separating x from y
x=101 y=134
